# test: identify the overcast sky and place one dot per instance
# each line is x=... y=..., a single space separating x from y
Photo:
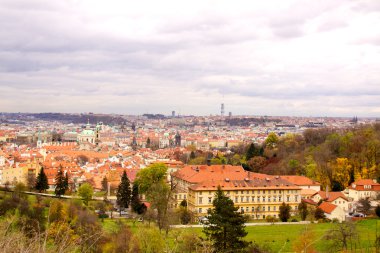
x=302 y=58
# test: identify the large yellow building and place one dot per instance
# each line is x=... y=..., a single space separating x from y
x=257 y=195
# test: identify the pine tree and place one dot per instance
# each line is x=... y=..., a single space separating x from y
x=105 y=184
x=225 y=227
x=42 y=181
x=284 y=213
x=251 y=152
x=60 y=183
x=66 y=181
x=124 y=192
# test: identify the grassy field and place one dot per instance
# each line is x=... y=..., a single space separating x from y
x=280 y=238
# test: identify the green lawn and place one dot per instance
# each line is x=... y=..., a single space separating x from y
x=281 y=237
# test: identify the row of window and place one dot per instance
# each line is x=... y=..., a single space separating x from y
x=256 y=192
x=255 y=209
x=180 y=196
x=246 y=199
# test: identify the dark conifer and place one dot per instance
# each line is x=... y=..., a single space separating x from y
x=124 y=192
x=225 y=227
x=42 y=181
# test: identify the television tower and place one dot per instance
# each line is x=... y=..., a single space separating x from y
x=222 y=110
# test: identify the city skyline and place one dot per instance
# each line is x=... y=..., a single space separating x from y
x=301 y=58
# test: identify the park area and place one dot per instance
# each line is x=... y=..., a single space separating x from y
x=283 y=238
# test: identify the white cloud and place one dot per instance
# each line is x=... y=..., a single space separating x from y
x=263 y=57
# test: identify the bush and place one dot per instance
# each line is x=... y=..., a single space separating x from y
x=103 y=215
x=294 y=220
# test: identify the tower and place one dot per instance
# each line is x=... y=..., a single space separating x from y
x=177 y=139
x=222 y=110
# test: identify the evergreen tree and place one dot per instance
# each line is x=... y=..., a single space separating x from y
x=60 y=187
x=225 y=227
x=137 y=206
x=252 y=151
x=302 y=209
x=105 y=184
x=124 y=192
x=66 y=181
x=148 y=143
x=284 y=213
x=42 y=181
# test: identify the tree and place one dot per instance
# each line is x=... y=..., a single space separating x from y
x=31 y=181
x=364 y=206
x=342 y=233
x=272 y=140
x=42 y=181
x=256 y=163
x=252 y=152
x=225 y=227
x=377 y=210
x=104 y=184
x=319 y=214
x=284 y=213
x=152 y=182
x=305 y=241
x=137 y=206
x=66 y=181
x=303 y=211
x=148 y=142
x=123 y=194
x=86 y=191
x=184 y=215
x=60 y=184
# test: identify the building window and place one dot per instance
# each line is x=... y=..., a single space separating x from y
x=200 y=200
x=236 y=199
x=180 y=196
x=247 y=209
x=263 y=199
x=247 y=199
x=184 y=196
x=263 y=208
x=268 y=208
x=200 y=210
x=258 y=199
x=274 y=199
x=274 y=208
x=242 y=209
x=242 y=199
x=268 y=199
x=287 y=198
x=253 y=199
x=200 y=193
x=242 y=192
x=209 y=200
x=253 y=209
x=263 y=216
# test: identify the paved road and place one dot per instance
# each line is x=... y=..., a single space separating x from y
x=248 y=224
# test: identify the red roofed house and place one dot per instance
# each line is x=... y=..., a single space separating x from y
x=333 y=211
x=336 y=198
x=364 y=188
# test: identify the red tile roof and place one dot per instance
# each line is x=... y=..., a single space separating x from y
x=331 y=196
x=300 y=180
x=327 y=207
x=362 y=184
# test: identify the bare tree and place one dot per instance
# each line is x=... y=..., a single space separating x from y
x=342 y=234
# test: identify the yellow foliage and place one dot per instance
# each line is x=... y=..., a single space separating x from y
x=341 y=171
